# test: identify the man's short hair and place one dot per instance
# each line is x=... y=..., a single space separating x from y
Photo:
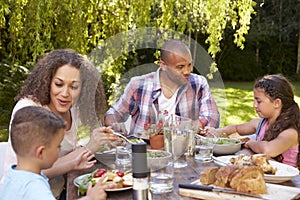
x=34 y=125
x=176 y=47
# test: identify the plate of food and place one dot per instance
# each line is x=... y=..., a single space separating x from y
x=274 y=172
x=123 y=180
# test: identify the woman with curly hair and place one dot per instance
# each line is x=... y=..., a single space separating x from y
x=68 y=84
x=278 y=128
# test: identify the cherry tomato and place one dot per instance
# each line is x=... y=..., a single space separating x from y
x=99 y=173
x=121 y=174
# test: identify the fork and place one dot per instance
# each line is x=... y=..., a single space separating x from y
x=123 y=137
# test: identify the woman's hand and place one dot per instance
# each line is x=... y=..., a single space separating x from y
x=78 y=159
x=99 y=137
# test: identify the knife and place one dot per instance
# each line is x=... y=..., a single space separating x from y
x=220 y=161
x=217 y=189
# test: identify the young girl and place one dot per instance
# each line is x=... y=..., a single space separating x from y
x=277 y=129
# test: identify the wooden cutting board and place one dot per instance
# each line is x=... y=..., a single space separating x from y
x=276 y=192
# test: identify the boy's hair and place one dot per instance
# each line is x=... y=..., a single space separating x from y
x=34 y=125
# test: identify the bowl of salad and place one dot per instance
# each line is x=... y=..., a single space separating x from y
x=158 y=158
x=226 y=146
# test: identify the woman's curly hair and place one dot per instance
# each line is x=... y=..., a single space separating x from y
x=91 y=102
x=278 y=87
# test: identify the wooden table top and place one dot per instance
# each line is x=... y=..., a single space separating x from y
x=183 y=175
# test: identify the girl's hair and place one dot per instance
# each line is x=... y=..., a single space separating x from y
x=91 y=102
x=278 y=87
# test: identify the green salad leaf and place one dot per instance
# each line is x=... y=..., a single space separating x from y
x=227 y=141
x=83 y=183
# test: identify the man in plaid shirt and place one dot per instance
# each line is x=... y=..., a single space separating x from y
x=172 y=89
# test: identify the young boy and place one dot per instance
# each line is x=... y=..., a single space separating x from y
x=36 y=134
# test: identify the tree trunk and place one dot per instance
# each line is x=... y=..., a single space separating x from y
x=298 y=59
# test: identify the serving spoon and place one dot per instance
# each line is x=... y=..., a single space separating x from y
x=125 y=138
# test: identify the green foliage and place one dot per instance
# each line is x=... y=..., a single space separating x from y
x=11 y=77
x=3 y=135
x=271 y=45
x=36 y=26
x=29 y=28
x=219 y=13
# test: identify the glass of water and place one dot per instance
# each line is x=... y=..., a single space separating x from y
x=176 y=135
x=204 y=147
x=161 y=171
x=123 y=157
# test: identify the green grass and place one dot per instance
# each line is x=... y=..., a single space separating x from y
x=235 y=105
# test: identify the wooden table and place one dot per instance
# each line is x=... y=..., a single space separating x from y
x=184 y=175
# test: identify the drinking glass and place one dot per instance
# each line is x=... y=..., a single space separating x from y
x=161 y=172
x=123 y=157
x=176 y=134
x=191 y=142
x=204 y=148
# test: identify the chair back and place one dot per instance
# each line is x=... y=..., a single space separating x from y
x=3 y=147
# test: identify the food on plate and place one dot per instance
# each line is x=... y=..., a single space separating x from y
x=127 y=180
x=122 y=179
x=119 y=181
x=259 y=160
x=240 y=178
x=236 y=136
x=244 y=139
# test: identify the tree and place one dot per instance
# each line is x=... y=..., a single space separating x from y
x=29 y=28
x=276 y=30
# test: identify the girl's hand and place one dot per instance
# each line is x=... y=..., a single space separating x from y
x=212 y=131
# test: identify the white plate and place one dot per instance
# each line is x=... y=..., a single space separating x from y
x=284 y=172
x=78 y=180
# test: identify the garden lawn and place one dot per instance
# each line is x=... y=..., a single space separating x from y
x=235 y=107
x=239 y=102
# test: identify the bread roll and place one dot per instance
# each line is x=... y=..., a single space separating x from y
x=223 y=174
x=240 y=178
x=249 y=179
x=208 y=175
